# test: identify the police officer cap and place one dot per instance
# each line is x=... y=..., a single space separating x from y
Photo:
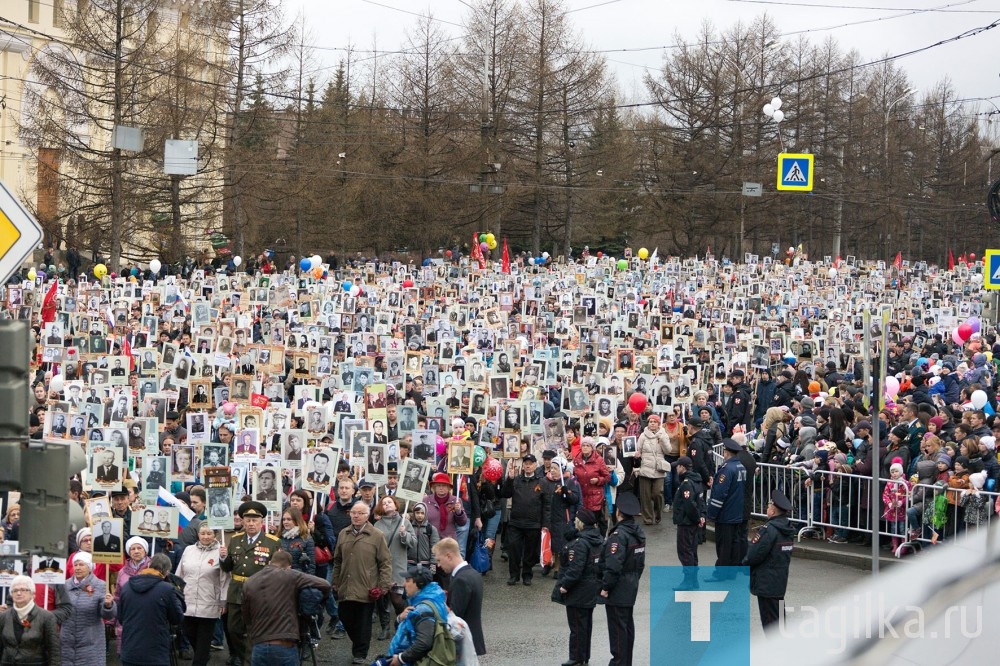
x=628 y=504
x=587 y=517
x=252 y=509
x=685 y=461
x=696 y=422
x=731 y=445
x=779 y=500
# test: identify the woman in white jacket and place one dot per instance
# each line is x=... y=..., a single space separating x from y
x=652 y=450
x=205 y=586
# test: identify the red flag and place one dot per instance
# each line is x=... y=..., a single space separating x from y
x=49 y=304
x=951 y=260
x=477 y=252
x=258 y=400
x=127 y=350
x=836 y=262
x=505 y=262
x=898 y=263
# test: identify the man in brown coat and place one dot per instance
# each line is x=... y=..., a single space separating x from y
x=362 y=572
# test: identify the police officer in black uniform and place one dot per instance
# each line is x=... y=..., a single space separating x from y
x=768 y=557
x=739 y=409
x=579 y=583
x=622 y=562
x=689 y=517
x=725 y=507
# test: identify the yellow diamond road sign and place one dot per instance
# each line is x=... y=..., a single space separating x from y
x=20 y=233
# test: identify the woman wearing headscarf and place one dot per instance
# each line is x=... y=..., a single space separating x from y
x=205 y=586
x=29 y=634
x=82 y=633
x=137 y=551
x=85 y=544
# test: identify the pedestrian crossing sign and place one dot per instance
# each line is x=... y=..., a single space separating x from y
x=991 y=269
x=795 y=172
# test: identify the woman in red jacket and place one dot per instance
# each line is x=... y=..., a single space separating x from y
x=592 y=474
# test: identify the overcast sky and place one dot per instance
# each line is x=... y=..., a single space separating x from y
x=891 y=27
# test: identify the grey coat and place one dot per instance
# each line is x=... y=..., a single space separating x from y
x=82 y=633
x=398 y=546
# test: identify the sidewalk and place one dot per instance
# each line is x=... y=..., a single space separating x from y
x=847 y=554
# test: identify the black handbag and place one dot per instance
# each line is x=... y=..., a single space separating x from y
x=487 y=509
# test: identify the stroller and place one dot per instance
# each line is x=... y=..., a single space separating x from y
x=310 y=606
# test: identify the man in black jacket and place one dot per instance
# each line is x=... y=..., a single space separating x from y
x=768 y=558
x=465 y=589
x=579 y=583
x=529 y=510
x=622 y=563
x=149 y=606
x=739 y=409
x=784 y=394
x=700 y=449
x=689 y=517
x=339 y=514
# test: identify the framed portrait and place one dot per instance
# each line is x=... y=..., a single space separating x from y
x=320 y=469
x=413 y=475
x=460 y=457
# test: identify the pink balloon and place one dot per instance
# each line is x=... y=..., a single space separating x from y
x=957 y=338
x=484 y=247
x=891 y=386
x=442 y=446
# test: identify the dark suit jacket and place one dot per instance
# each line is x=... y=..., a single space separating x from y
x=112 y=474
x=114 y=544
x=465 y=597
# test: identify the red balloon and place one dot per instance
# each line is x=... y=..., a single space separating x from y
x=447 y=253
x=964 y=331
x=492 y=470
x=599 y=254
x=407 y=283
x=972 y=256
x=637 y=402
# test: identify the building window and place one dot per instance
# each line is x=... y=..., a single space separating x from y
x=33 y=9
x=57 y=13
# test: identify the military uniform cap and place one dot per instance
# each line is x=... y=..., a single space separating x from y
x=252 y=510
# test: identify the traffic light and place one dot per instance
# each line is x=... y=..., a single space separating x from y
x=48 y=515
x=40 y=470
x=14 y=394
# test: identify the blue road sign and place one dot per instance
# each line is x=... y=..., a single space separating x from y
x=795 y=172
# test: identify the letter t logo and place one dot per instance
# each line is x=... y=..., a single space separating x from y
x=701 y=611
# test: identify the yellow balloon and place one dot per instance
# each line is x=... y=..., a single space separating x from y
x=32 y=274
x=643 y=253
x=491 y=240
x=492 y=244
x=100 y=270
x=131 y=278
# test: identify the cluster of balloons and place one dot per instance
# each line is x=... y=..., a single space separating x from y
x=773 y=110
x=487 y=242
x=966 y=330
x=538 y=261
x=308 y=264
x=350 y=288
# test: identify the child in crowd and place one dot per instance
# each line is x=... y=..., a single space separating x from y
x=897 y=489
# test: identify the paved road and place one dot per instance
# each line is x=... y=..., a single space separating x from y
x=524 y=626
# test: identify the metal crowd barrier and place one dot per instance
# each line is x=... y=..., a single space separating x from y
x=835 y=506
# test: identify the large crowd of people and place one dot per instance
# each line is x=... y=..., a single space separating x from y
x=386 y=428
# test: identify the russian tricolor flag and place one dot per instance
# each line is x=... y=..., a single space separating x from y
x=184 y=513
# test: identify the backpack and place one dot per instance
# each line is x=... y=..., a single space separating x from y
x=443 y=650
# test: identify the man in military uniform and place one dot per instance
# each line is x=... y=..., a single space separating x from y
x=768 y=557
x=249 y=552
x=689 y=517
x=726 y=509
x=622 y=562
x=579 y=583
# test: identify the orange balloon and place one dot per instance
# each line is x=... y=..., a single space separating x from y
x=814 y=387
x=317 y=272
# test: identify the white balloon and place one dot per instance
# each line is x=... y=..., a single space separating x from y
x=776 y=103
x=316 y=261
x=768 y=110
x=833 y=273
x=778 y=116
x=545 y=255
x=154 y=265
x=237 y=260
x=56 y=384
x=979 y=398
x=355 y=290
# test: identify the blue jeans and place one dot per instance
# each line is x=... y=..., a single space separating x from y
x=219 y=637
x=331 y=601
x=275 y=655
x=839 y=516
x=462 y=536
x=492 y=525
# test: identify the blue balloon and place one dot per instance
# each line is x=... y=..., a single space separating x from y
x=346 y=285
x=427 y=262
x=305 y=264
x=134 y=271
x=922 y=361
